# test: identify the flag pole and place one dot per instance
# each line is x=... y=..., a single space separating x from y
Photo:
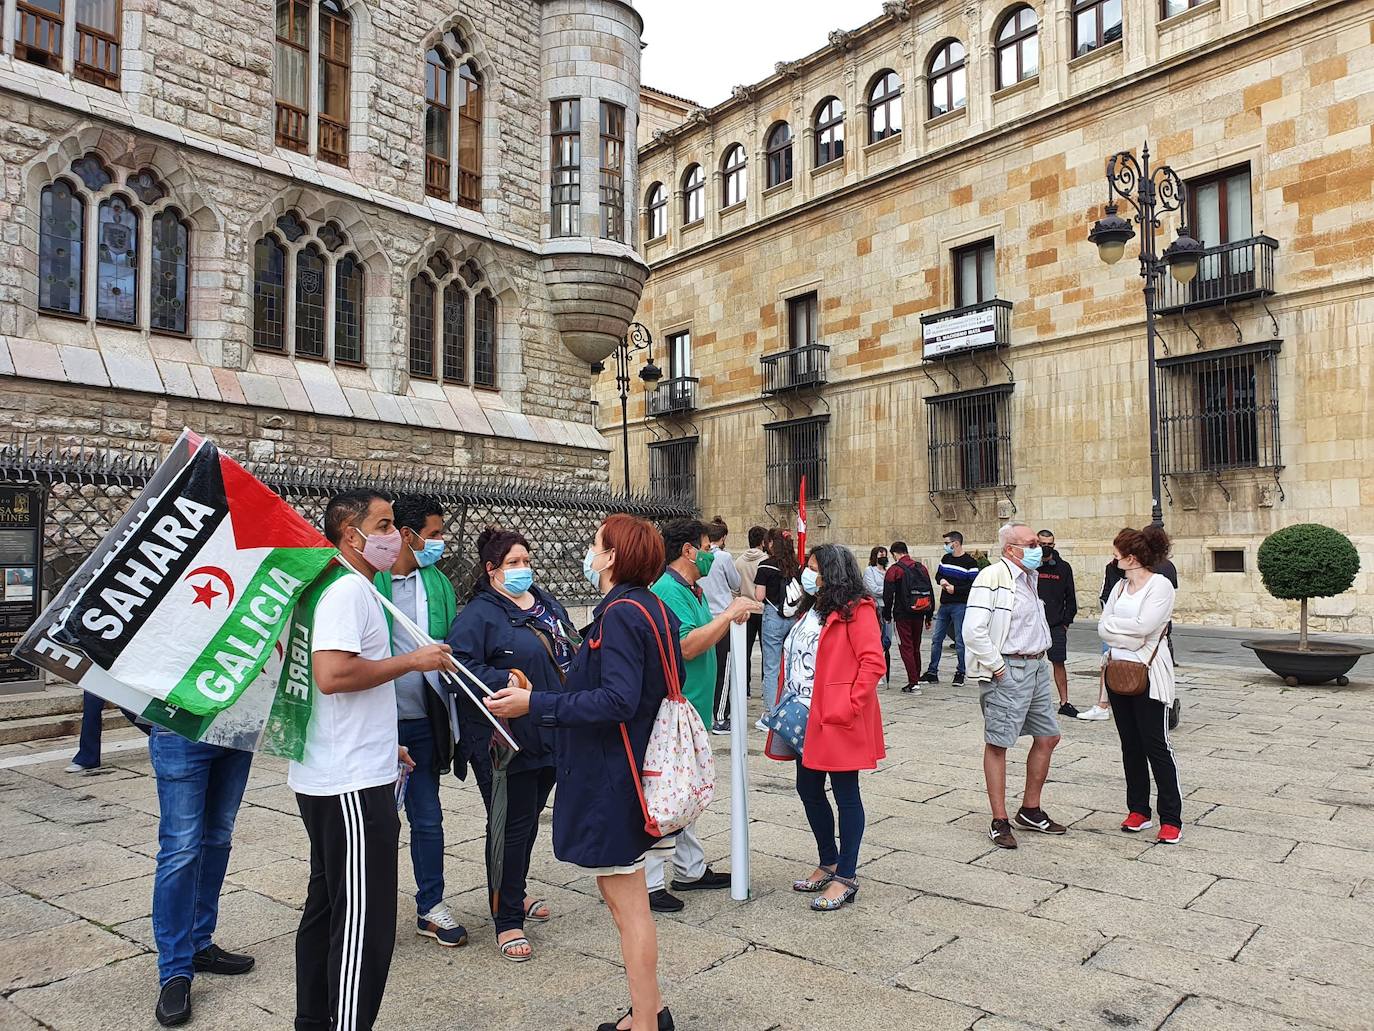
x=420 y=638
x=739 y=764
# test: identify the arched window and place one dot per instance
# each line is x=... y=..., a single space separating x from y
x=349 y=286
x=61 y=233
x=331 y=51
x=116 y=263
x=829 y=131
x=455 y=333
x=310 y=303
x=453 y=84
x=657 y=207
x=884 y=107
x=170 y=267
x=1018 y=47
x=422 y=326
x=946 y=78
x=97 y=42
x=269 y=294
x=484 y=341
x=693 y=196
x=780 y=154
x=733 y=184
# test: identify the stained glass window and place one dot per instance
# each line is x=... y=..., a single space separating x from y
x=116 y=270
x=269 y=295
x=61 y=229
x=455 y=334
x=422 y=327
x=310 y=303
x=484 y=341
x=171 y=239
x=348 y=310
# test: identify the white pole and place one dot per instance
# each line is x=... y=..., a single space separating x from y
x=739 y=765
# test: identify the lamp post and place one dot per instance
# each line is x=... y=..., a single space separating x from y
x=1152 y=193
x=637 y=338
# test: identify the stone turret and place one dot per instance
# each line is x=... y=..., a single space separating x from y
x=590 y=54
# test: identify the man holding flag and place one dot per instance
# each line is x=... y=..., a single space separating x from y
x=345 y=779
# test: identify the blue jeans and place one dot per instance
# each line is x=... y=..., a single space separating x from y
x=775 y=629
x=949 y=622
x=199 y=788
x=425 y=816
x=811 y=789
x=88 y=749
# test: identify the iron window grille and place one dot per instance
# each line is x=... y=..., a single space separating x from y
x=795 y=449
x=1220 y=410
x=673 y=471
x=970 y=440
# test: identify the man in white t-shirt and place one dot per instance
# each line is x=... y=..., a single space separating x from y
x=345 y=781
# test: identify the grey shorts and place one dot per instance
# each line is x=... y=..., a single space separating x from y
x=1021 y=703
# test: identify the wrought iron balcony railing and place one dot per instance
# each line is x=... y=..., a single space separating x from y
x=673 y=396
x=1230 y=272
x=795 y=369
x=973 y=327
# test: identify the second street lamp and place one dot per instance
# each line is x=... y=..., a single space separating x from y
x=1152 y=193
x=637 y=338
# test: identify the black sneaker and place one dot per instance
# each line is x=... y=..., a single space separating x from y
x=930 y=676
x=710 y=879
x=1038 y=820
x=720 y=727
x=1001 y=835
x=1068 y=710
x=174 y=1002
x=214 y=960
x=665 y=1022
x=958 y=679
x=661 y=902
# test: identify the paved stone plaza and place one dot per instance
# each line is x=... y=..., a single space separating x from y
x=1261 y=919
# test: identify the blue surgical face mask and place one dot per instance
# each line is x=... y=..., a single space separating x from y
x=809 y=578
x=1032 y=557
x=431 y=553
x=589 y=569
x=949 y=549
x=518 y=581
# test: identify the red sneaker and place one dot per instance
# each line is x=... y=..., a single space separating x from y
x=1136 y=823
x=1169 y=834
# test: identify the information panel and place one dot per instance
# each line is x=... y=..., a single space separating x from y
x=21 y=560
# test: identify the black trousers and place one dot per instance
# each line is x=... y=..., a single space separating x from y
x=752 y=631
x=348 y=927
x=722 y=668
x=527 y=793
x=1143 y=725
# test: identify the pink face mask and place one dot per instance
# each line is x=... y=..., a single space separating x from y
x=381 y=551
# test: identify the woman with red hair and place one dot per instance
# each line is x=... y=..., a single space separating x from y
x=616 y=679
x=1135 y=627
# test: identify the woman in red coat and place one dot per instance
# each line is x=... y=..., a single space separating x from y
x=832 y=661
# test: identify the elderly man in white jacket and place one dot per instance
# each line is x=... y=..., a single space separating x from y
x=1005 y=641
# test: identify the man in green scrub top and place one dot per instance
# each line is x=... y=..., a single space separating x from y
x=689 y=559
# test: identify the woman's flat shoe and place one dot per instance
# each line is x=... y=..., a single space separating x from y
x=825 y=904
x=665 y=1021
x=811 y=887
x=530 y=913
x=508 y=950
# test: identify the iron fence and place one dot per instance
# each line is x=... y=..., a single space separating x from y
x=89 y=488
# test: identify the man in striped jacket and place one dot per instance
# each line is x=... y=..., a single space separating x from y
x=1005 y=639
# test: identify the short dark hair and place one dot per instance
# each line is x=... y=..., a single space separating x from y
x=493 y=545
x=413 y=511
x=638 y=549
x=757 y=535
x=954 y=535
x=716 y=530
x=347 y=508
x=677 y=532
x=1044 y=533
x=898 y=548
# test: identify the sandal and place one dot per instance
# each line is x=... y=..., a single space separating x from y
x=507 y=950
x=820 y=884
x=825 y=904
x=665 y=1021
x=530 y=913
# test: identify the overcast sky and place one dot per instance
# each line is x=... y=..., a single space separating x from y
x=698 y=49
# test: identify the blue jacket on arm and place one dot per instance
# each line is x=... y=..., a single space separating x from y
x=616 y=677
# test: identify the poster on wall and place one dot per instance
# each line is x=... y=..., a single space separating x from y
x=21 y=539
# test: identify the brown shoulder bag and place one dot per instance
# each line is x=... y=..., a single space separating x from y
x=1126 y=677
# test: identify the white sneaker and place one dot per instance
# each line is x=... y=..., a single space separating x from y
x=760 y=725
x=78 y=768
x=1097 y=712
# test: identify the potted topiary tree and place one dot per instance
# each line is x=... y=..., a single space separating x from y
x=1298 y=563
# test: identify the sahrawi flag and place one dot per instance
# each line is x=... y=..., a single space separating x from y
x=178 y=614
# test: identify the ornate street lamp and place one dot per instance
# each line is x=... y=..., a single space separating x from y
x=1151 y=193
x=637 y=338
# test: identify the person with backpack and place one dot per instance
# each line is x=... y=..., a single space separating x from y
x=833 y=661
x=777 y=587
x=606 y=708
x=909 y=602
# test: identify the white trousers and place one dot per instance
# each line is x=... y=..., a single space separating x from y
x=689 y=860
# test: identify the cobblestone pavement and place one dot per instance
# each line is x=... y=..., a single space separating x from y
x=1262 y=919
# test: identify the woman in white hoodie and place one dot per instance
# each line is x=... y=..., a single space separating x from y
x=1134 y=625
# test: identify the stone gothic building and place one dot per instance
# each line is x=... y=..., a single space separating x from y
x=320 y=230
x=872 y=269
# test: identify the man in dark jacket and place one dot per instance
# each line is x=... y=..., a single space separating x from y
x=906 y=587
x=1057 y=594
x=954 y=575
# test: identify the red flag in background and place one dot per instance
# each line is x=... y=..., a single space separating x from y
x=801 y=524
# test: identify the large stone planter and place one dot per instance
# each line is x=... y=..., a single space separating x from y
x=1322 y=662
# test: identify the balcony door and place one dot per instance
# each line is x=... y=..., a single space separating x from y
x=679 y=369
x=975 y=274
x=1219 y=215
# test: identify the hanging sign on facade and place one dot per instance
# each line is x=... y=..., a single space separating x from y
x=972 y=329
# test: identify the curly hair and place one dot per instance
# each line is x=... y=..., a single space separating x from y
x=842 y=585
x=1149 y=546
x=493 y=545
